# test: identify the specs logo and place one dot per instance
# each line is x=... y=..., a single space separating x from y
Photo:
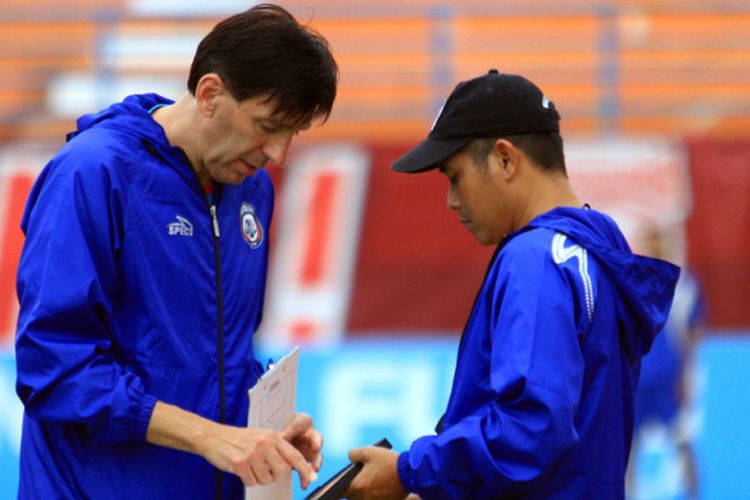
x=182 y=227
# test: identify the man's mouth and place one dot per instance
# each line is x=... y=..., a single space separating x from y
x=247 y=167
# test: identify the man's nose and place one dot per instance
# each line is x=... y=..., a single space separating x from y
x=277 y=147
x=453 y=201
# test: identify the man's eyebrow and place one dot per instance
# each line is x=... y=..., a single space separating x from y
x=273 y=121
x=282 y=124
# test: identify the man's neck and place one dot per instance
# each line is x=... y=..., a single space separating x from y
x=179 y=126
x=547 y=193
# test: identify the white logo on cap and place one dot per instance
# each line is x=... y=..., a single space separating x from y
x=545 y=102
x=440 y=112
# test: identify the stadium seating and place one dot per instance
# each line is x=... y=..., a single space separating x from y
x=634 y=67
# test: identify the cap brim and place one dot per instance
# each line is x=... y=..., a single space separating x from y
x=428 y=155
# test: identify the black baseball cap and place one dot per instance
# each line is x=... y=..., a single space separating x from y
x=492 y=105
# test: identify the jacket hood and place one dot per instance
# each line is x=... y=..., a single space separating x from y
x=646 y=285
x=131 y=116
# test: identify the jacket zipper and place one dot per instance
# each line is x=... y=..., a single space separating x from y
x=220 y=302
x=219 y=296
x=439 y=425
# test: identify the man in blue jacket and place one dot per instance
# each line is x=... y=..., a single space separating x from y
x=143 y=274
x=542 y=398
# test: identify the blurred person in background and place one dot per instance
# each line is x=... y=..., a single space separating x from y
x=665 y=387
x=542 y=404
x=143 y=274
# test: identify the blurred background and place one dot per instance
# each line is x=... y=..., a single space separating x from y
x=370 y=272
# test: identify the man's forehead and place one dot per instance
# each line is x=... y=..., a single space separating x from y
x=273 y=114
x=451 y=162
x=265 y=110
x=282 y=121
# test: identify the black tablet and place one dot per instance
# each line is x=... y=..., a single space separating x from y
x=335 y=486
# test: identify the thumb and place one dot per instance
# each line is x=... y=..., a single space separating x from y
x=358 y=455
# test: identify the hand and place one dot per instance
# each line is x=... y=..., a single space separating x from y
x=257 y=456
x=301 y=433
x=378 y=479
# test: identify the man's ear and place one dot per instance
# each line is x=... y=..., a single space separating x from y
x=209 y=88
x=507 y=157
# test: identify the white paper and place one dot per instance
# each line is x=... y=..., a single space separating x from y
x=272 y=406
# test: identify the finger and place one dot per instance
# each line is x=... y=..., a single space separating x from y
x=358 y=455
x=316 y=441
x=246 y=474
x=298 y=462
x=317 y=462
x=277 y=465
x=353 y=491
x=248 y=479
x=261 y=471
x=349 y=494
x=299 y=424
x=309 y=444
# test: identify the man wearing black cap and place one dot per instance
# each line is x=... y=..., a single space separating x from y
x=542 y=398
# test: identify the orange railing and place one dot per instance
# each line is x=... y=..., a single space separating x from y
x=664 y=68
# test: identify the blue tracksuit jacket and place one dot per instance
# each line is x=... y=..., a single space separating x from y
x=128 y=295
x=542 y=399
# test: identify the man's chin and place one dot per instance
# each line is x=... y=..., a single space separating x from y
x=237 y=177
x=235 y=180
x=485 y=239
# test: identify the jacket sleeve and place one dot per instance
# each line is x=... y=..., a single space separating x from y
x=535 y=380
x=67 y=372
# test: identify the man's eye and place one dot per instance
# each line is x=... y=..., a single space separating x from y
x=268 y=129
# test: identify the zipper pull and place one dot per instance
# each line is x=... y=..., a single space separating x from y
x=214 y=220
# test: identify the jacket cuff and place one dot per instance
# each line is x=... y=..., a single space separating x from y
x=144 y=418
x=404 y=471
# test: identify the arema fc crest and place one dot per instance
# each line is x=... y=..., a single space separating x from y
x=251 y=227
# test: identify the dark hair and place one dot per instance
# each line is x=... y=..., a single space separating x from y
x=545 y=150
x=266 y=51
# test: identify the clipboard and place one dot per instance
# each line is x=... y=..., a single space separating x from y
x=339 y=482
x=272 y=406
